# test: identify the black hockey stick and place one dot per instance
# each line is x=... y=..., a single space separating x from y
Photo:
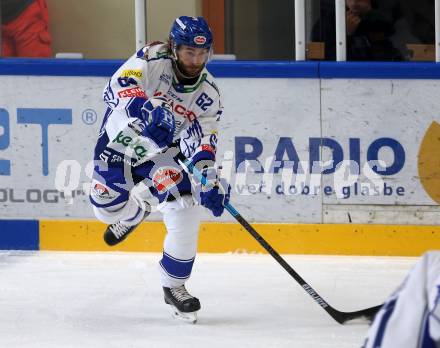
x=340 y=317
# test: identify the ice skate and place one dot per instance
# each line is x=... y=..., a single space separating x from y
x=116 y=233
x=184 y=306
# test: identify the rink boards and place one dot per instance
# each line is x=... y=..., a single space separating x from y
x=319 y=239
x=318 y=118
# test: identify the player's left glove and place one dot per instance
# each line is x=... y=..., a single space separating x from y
x=215 y=194
x=159 y=120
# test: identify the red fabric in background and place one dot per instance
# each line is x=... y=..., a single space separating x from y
x=28 y=34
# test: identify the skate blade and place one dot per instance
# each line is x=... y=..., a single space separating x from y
x=190 y=317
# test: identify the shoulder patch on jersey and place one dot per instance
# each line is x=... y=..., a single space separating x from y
x=154 y=50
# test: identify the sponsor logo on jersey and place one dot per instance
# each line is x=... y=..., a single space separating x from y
x=131 y=143
x=209 y=148
x=174 y=96
x=166 y=78
x=105 y=155
x=109 y=157
x=165 y=178
x=178 y=109
x=200 y=40
x=132 y=72
x=132 y=92
x=101 y=192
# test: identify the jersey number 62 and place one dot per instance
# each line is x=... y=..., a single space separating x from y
x=204 y=101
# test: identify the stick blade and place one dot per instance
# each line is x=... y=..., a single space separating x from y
x=364 y=315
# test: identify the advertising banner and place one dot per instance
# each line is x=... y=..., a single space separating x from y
x=388 y=131
x=48 y=127
x=290 y=147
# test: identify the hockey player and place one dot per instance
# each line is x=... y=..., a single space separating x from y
x=162 y=103
x=411 y=316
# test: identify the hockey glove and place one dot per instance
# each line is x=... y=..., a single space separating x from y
x=215 y=194
x=159 y=120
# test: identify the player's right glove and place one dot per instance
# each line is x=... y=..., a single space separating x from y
x=159 y=121
x=216 y=197
x=215 y=194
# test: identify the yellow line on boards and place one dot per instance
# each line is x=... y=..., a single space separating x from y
x=324 y=239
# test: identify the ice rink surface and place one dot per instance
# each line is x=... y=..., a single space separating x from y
x=53 y=299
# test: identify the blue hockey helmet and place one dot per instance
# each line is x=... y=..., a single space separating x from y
x=190 y=31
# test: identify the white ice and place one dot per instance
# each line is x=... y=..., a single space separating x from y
x=53 y=299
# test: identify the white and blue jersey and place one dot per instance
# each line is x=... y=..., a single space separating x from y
x=197 y=109
x=410 y=318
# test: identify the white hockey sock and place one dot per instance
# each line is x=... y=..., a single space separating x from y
x=182 y=219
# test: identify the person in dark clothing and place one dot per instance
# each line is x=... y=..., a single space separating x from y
x=25 y=29
x=368 y=32
x=420 y=16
